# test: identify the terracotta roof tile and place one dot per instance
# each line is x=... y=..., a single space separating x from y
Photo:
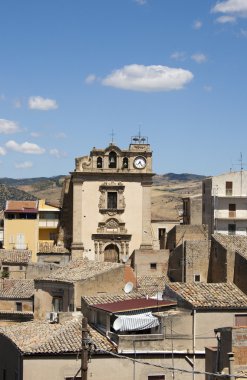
x=15 y=256
x=235 y=243
x=39 y=337
x=21 y=205
x=16 y=289
x=80 y=269
x=208 y=295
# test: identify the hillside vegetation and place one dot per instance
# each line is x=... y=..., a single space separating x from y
x=167 y=191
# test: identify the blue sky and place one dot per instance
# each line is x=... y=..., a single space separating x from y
x=71 y=71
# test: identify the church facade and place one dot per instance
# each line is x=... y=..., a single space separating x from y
x=110 y=202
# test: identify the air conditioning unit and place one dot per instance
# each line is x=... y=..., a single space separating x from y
x=53 y=317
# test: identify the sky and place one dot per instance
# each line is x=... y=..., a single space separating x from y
x=73 y=71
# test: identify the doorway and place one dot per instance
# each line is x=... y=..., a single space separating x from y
x=111 y=254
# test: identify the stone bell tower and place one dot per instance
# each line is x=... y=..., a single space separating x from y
x=112 y=202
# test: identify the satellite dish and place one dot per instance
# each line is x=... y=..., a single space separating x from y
x=117 y=324
x=125 y=259
x=128 y=287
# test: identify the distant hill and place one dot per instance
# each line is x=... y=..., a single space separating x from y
x=58 y=180
x=167 y=191
x=8 y=193
x=183 y=177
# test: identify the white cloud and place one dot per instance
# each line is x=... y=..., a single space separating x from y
x=24 y=165
x=141 y=2
x=199 y=57
x=2 y=97
x=90 y=78
x=2 y=151
x=8 y=127
x=56 y=153
x=197 y=24
x=178 y=55
x=39 y=103
x=26 y=147
x=226 y=19
x=236 y=8
x=148 y=78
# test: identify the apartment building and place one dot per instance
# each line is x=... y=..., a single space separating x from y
x=224 y=203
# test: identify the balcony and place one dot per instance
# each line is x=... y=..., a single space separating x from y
x=48 y=223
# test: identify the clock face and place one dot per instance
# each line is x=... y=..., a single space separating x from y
x=139 y=162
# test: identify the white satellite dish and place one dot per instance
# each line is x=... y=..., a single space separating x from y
x=117 y=324
x=128 y=287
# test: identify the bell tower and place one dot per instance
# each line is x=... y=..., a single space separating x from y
x=112 y=201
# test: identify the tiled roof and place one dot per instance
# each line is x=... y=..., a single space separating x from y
x=81 y=269
x=42 y=337
x=235 y=243
x=15 y=256
x=208 y=295
x=16 y=289
x=21 y=205
x=150 y=285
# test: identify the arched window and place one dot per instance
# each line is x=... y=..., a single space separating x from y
x=125 y=162
x=99 y=162
x=112 y=160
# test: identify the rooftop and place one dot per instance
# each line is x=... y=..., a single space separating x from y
x=16 y=289
x=42 y=337
x=235 y=243
x=150 y=285
x=22 y=206
x=15 y=256
x=133 y=305
x=208 y=295
x=79 y=270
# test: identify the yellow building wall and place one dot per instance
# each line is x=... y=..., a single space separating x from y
x=44 y=233
x=27 y=227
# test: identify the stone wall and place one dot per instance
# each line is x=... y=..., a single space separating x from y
x=178 y=234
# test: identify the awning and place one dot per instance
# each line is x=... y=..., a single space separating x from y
x=135 y=322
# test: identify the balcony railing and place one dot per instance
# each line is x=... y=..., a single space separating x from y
x=48 y=223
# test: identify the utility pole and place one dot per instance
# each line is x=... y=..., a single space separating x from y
x=84 y=349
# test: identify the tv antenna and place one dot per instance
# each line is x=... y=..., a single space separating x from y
x=241 y=164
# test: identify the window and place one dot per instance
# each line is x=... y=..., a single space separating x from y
x=125 y=162
x=99 y=162
x=241 y=320
x=232 y=210
x=156 y=377
x=18 y=306
x=112 y=199
x=228 y=188
x=197 y=278
x=112 y=160
x=231 y=229
x=153 y=266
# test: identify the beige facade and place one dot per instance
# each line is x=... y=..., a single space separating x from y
x=21 y=228
x=110 y=195
x=224 y=203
